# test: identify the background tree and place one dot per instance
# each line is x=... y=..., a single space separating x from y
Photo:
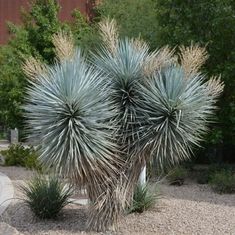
x=33 y=38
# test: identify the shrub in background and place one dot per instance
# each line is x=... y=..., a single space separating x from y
x=144 y=198
x=204 y=176
x=18 y=155
x=46 y=196
x=31 y=160
x=135 y=18
x=223 y=181
x=15 y=155
x=177 y=176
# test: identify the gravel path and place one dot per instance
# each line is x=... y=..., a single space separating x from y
x=189 y=209
x=16 y=173
x=6 y=192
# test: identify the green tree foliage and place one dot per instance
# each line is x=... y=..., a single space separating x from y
x=11 y=88
x=33 y=38
x=85 y=34
x=40 y=23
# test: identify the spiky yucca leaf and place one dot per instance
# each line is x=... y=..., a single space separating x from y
x=123 y=70
x=65 y=109
x=177 y=113
x=68 y=114
x=160 y=114
x=157 y=113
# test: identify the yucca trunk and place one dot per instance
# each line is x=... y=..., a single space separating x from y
x=143 y=176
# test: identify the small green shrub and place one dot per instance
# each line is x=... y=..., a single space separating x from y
x=14 y=155
x=18 y=155
x=46 y=196
x=203 y=177
x=144 y=198
x=3 y=135
x=223 y=181
x=177 y=176
x=31 y=160
x=213 y=168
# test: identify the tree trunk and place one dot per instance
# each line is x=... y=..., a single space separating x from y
x=142 y=177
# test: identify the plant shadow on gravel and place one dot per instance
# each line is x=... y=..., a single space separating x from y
x=72 y=218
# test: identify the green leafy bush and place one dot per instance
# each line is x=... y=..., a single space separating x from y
x=203 y=177
x=144 y=198
x=127 y=12
x=223 y=181
x=177 y=176
x=18 y=155
x=46 y=196
x=31 y=160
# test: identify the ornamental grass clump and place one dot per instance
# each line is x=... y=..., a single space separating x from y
x=223 y=181
x=144 y=198
x=46 y=196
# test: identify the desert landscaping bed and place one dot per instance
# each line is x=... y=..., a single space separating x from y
x=188 y=209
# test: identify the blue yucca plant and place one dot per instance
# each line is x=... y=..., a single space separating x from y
x=163 y=105
x=67 y=113
x=69 y=117
x=99 y=122
x=177 y=110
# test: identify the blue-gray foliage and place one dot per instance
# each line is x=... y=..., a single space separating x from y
x=68 y=115
x=177 y=110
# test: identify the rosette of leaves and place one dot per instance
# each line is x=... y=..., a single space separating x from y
x=68 y=115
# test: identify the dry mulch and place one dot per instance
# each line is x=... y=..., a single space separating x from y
x=188 y=209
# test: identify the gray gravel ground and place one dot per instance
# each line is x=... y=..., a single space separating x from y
x=189 y=209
